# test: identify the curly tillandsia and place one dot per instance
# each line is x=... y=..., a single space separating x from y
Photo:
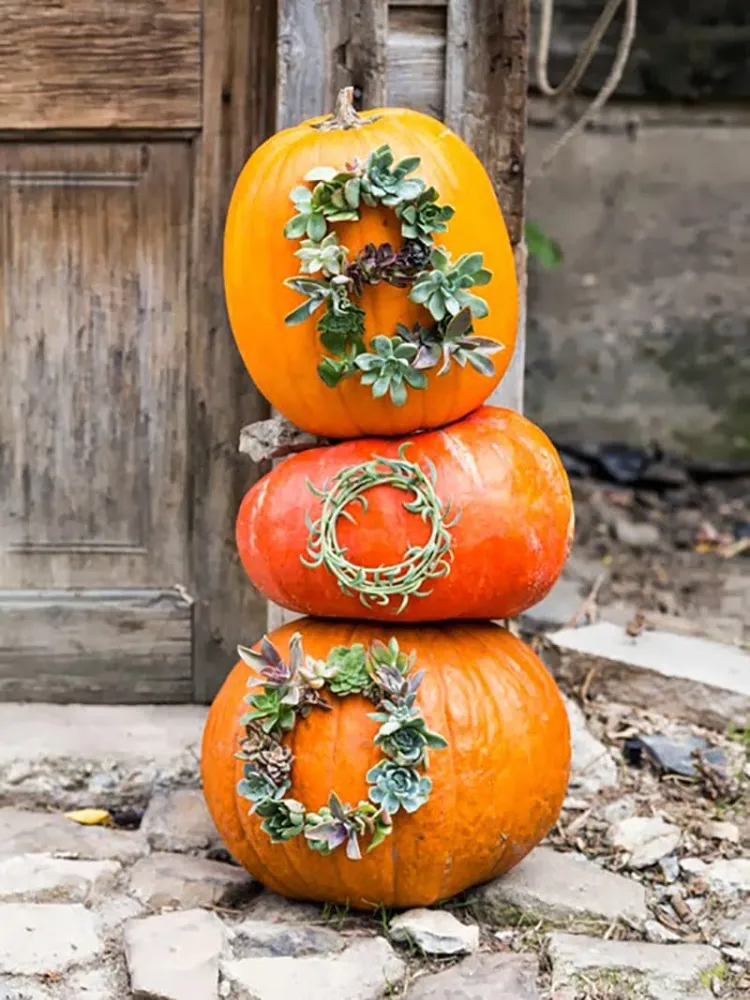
x=330 y=280
x=383 y=674
x=380 y=585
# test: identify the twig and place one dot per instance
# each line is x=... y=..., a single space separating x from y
x=589 y=607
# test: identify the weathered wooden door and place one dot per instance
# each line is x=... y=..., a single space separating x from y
x=122 y=128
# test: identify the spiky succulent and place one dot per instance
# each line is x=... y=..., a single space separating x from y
x=388 y=369
x=275 y=705
x=257 y=785
x=449 y=341
x=390 y=654
x=387 y=184
x=350 y=675
x=337 y=824
x=394 y=786
x=423 y=217
x=283 y=819
x=443 y=289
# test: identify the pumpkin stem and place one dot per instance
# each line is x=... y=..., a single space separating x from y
x=345 y=115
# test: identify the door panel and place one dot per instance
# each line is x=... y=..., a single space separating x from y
x=100 y=64
x=95 y=645
x=123 y=125
x=93 y=361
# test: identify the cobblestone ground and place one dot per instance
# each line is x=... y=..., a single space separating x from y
x=641 y=891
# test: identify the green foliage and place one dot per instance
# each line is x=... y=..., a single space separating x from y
x=541 y=246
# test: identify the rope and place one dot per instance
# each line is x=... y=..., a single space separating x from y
x=582 y=63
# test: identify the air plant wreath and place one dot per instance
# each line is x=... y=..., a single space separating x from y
x=332 y=280
x=289 y=690
x=419 y=564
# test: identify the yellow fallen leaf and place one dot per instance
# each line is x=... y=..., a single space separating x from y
x=89 y=817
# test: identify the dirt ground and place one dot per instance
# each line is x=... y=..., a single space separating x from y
x=681 y=552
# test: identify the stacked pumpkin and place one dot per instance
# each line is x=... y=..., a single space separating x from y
x=397 y=747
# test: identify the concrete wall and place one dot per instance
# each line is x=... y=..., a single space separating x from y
x=644 y=332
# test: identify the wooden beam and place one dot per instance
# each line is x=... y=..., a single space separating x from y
x=485 y=102
x=103 y=646
x=239 y=73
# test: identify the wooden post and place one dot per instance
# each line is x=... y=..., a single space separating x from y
x=328 y=44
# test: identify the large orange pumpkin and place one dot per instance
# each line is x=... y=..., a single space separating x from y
x=282 y=360
x=507 y=547
x=497 y=788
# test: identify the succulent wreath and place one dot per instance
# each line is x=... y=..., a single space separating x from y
x=289 y=690
x=330 y=279
x=406 y=577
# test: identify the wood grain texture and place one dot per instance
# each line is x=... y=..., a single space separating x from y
x=485 y=103
x=238 y=113
x=94 y=245
x=100 y=64
x=95 y=646
x=327 y=45
x=510 y=390
x=416 y=58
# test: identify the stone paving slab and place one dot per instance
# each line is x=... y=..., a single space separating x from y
x=26 y=832
x=46 y=938
x=68 y=756
x=687 y=677
x=558 y=887
x=641 y=970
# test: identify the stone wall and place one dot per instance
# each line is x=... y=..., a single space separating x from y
x=644 y=331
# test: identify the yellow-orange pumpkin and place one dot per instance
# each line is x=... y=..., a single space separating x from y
x=497 y=788
x=282 y=360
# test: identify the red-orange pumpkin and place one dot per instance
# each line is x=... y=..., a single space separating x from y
x=497 y=788
x=282 y=360
x=508 y=546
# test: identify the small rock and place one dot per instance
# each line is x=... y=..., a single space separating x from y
x=670 y=868
x=592 y=767
x=727 y=877
x=435 y=932
x=175 y=956
x=659 y=934
x=184 y=882
x=647 y=839
x=553 y=886
x=268 y=906
x=40 y=938
x=663 y=971
x=572 y=804
x=636 y=534
x=179 y=821
x=42 y=878
x=482 y=977
x=675 y=754
x=693 y=866
x=613 y=812
x=715 y=830
x=115 y=910
x=23 y=832
x=736 y=931
x=362 y=972
x=256 y=938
